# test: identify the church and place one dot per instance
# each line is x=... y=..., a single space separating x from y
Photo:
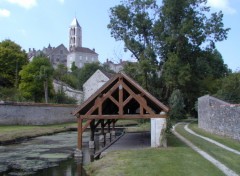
x=76 y=53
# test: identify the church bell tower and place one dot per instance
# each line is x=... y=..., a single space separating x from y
x=75 y=35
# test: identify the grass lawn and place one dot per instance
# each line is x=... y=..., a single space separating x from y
x=10 y=132
x=124 y=123
x=139 y=128
x=229 y=159
x=176 y=160
x=224 y=140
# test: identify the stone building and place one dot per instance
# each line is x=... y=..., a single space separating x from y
x=57 y=55
x=95 y=82
x=78 y=54
x=61 y=55
x=116 y=67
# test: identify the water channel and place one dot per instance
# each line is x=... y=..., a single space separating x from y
x=46 y=155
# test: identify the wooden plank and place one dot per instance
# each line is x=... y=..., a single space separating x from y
x=125 y=116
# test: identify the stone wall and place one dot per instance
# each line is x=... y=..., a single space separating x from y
x=70 y=92
x=219 y=117
x=35 y=114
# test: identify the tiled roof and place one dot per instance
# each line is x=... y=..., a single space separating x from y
x=83 y=50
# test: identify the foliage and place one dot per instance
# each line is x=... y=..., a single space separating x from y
x=60 y=72
x=177 y=39
x=230 y=88
x=176 y=103
x=12 y=59
x=36 y=78
x=61 y=98
x=10 y=94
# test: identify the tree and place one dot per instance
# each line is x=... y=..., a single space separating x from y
x=36 y=79
x=230 y=88
x=177 y=38
x=176 y=103
x=131 y=22
x=12 y=59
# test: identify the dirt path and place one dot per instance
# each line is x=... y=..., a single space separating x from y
x=132 y=141
x=217 y=163
x=211 y=140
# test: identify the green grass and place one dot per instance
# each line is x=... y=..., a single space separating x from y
x=13 y=132
x=124 y=123
x=139 y=128
x=229 y=159
x=224 y=140
x=176 y=160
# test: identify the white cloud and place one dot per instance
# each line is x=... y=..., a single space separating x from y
x=27 y=4
x=4 y=13
x=222 y=5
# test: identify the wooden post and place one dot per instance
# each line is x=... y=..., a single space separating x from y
x=113 y=125
x=102 y=127
x=109 y=123
x=92 y=130
x=79 y=133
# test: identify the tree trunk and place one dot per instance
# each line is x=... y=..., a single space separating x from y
x=46 y=91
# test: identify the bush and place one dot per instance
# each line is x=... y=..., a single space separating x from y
x=176 y=103
x=61 y=98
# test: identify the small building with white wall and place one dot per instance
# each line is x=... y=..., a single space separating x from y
x=96 y=81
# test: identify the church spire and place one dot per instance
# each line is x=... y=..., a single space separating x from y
x=75 y=35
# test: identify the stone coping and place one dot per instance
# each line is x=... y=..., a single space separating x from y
x=37 y=104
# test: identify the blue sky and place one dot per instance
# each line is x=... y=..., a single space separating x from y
x=36 y=23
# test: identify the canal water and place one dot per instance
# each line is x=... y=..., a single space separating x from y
x=46 y=155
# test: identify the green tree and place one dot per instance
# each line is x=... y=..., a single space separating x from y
x=177 y=38
x=60 y=72
x=12 y=59
x=61 y=98
x=36 y=79
x=230 y=88
x=176 y=103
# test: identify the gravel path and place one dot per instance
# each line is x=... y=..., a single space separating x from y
x=217 y=163
x=211 y=140
x=132 y=141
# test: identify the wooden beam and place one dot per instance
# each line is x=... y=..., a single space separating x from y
x=139 y=99
x=86 y=124
x=125 y=116
x=127 y=100
x=120 y=98
x=79 y=133
x=113 y=100
x=98 y=122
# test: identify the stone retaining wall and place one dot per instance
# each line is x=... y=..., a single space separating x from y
x=219 y=117
x=35 y=114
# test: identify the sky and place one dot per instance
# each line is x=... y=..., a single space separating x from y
x=38 y=23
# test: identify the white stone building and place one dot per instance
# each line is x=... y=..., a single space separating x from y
x=78 y=54
x=95 y=82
